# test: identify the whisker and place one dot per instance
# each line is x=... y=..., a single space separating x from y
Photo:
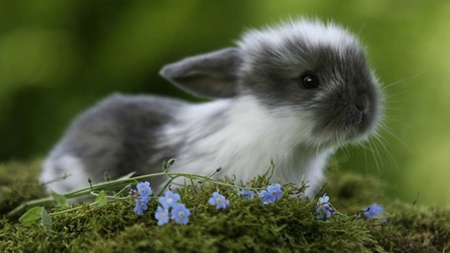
x=386 y=129
x=393 y=95
x=374 y=157
x=390 y=85
x=386 y=146
x=379 y=156
x=388 y=153
x=365 y=160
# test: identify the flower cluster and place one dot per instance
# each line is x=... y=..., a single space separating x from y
x=171 y=209
x=180 y=214
x=271 y=194
x=324 y=208
x=374 y=211
x=141 y=197
x=218 y=200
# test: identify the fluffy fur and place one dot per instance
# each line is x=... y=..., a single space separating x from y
x=263 y=111
x=245 y=140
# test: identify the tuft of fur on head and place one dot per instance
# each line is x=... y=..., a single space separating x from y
x=304 y=33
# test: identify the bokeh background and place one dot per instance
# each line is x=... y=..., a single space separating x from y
x=59 y=57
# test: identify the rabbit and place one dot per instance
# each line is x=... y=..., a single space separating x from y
x=292 y=93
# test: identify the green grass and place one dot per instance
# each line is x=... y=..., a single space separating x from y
x=288 y=225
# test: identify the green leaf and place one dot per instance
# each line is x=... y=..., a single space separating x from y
x=36 y=216
x=46 y=222
x=171 y=162
x=59 y=199
x=101 y=199
x=32 y=216
x=126 y=176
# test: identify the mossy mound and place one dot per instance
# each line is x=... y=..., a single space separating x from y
x=288 y=225
x=19 y=182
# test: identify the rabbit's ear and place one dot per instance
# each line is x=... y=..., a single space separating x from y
x=212 y=75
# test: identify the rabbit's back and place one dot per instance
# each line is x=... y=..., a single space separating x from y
x=117 y=136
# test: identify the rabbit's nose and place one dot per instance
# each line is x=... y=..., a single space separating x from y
x=355 y=116
x=362 y=102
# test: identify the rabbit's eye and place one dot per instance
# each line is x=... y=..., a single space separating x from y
x=309 y=81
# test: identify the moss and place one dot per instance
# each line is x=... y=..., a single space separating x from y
x=18 y=183
x=289 y=225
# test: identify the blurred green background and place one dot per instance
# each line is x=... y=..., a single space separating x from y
x=59 y=57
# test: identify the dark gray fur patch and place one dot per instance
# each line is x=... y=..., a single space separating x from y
x=119 y=135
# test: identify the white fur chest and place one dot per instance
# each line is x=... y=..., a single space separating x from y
x=244 y=141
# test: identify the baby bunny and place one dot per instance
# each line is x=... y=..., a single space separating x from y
x=292 y=94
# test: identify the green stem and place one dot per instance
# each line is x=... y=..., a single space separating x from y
x=30 y=203
x=112 y=185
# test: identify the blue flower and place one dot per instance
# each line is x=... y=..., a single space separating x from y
x=144 y=190
x=162 y=215
x=180 y=214
x=141 y=206
x=272 y=194
x=275 y=191
x=218 y=200
x=170 y=199
x=324 y=208
x=266 y=197
x=247 y=194
x=324 y=199
x=374 y=211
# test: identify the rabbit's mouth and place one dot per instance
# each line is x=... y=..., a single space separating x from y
x=346 y=126
x=360 y=121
